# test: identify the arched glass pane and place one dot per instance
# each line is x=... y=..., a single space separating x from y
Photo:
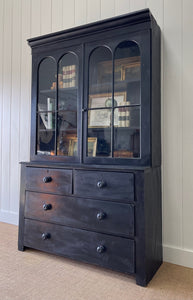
x=127 y=85
x=46 y=107
x=99 y=103
x=67 y=143
x=100 y=82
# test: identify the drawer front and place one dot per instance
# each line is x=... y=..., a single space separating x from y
x=100 y=249
x=105 y=185
x=49 y=180
x=102 y=216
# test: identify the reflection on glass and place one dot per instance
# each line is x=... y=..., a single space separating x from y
x=67 y=144
x=126 y=132
x=46 y=75
x=46 y=107
x=127 y=71
x=100 y=96
x=46 y=133
x=99 y=81
x=99 y=133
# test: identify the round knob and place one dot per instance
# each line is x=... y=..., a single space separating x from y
x=101 y=249
x=47 y=179
x=47 y=206
x=101 y=184
x=101 y=215
x=46 y=236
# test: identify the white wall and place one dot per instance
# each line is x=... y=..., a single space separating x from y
x=22 y=19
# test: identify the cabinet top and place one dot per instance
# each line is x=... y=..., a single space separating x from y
x=142 y=18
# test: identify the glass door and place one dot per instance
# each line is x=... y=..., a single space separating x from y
x=114 y=102
x=57 y=108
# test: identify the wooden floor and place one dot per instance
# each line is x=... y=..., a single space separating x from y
x=35 y=275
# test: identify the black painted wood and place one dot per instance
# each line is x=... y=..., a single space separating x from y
x=60 y=180
x=81 y=245
x=116 y=186
x=108 y=217
x=22 y=208
x=148 y=234
x=105 y=211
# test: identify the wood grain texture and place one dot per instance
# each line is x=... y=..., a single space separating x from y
x=116 y=186
x=118 y=219
x=60 y=180
x=81 y=245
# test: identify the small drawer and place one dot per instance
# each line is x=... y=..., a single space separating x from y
x=96 y=248
x=104 y=185
x=49 y=180
x=102 y=216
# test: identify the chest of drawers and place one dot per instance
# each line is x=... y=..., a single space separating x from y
x=106 y=217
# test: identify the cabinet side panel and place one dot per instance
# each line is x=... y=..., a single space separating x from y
x=155 y=98
x=140 y=229
x=153 y=221
x=21 y=208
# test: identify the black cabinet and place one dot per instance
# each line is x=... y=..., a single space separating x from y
x=94 y=177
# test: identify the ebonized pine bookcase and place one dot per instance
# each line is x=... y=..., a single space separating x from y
x=92 y=189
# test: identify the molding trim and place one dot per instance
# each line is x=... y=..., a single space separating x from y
x=9 y=217
x=178 y=256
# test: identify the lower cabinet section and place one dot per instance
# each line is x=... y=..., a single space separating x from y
x=107 y=218
x=100 y=249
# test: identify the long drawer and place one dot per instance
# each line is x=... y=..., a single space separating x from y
x=104 y=185
x=96 y=215
x=100 y=249
x=58 y=181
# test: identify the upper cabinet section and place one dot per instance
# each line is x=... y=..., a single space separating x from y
x=96 y=93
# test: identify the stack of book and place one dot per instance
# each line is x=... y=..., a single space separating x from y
x=124 y=117
x=69 y=76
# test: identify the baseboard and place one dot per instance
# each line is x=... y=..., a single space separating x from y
x=178 y=256
x=9 y=217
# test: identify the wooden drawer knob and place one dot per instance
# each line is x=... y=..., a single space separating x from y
x=47 y=179
x=47 y=206
x=101 y=184
x=101 y=215
x=101 y=249
x=46 y=236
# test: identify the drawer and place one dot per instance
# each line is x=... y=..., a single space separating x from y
x=102 y=216
x=105 y=185
x=57 y=181
x=100 y=249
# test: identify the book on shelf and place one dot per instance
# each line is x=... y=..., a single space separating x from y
x=69 y=76
x=123 y=116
